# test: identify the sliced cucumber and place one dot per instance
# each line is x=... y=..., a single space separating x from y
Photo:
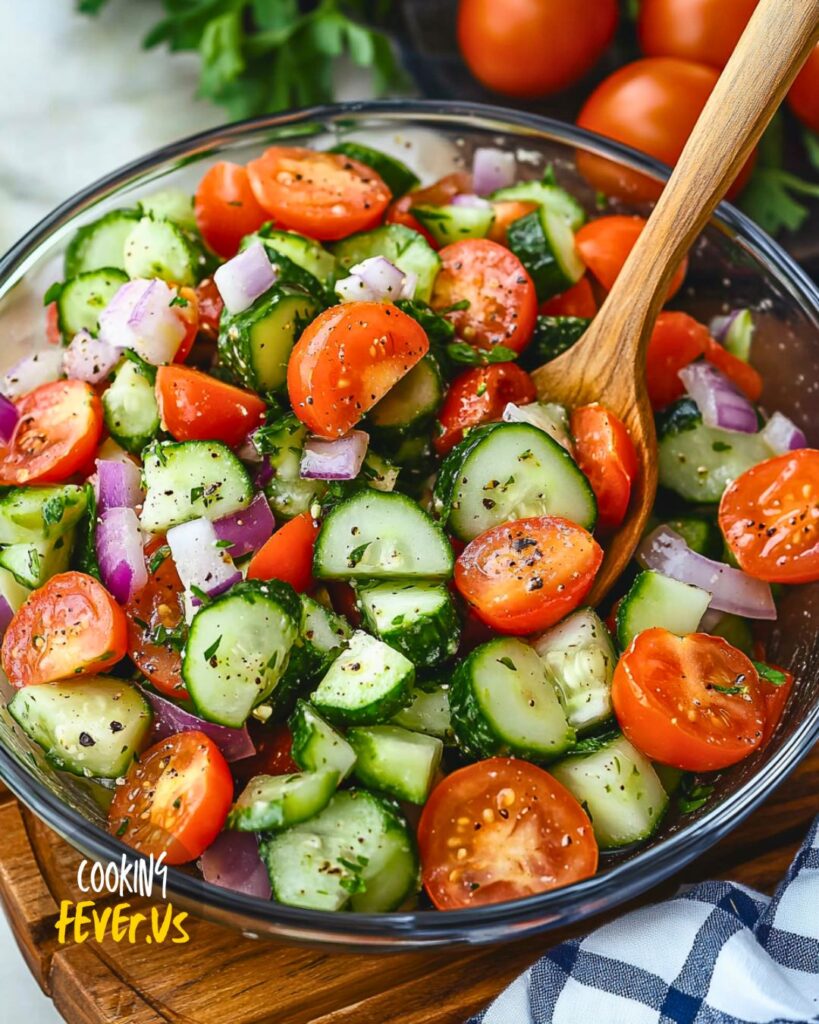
x=381 y=535
x=378 y=472
x=553 y=336
x=550 y=417
x=366 y=684
x=736 y=630
x=237 y=649
x=93 y=725
x=412 y=403
x=402 y=246
x=270 y=802
x=551 y=197
x=322 y=637
x=283 y=442
x=428 y=711
x=316 y=744
x=701 y=535
x=11 y=591
x=740 y=335
x=503 y=703
x=160 y=248
x=543 y=241
x=189 y=479
x=579 y=658
x=130 y=407
x=396 y=761
x=657 y=600
x=619 y=789
x=417 y=619
x=451 y=223
x=34 y=563
x=100 y=244
x=398 y=178
x=170 y=204
x=84 y=297
x=507 y=471
x=31 y=514
x=304 y=252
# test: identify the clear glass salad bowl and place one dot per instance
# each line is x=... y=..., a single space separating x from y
x=734 y=264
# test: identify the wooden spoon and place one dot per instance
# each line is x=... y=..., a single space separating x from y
x=607 y=364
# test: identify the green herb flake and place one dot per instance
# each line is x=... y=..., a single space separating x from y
x=214 y=647
x=774 y=676
x=507 y=663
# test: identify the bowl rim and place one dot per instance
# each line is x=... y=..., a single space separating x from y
x=517 y=918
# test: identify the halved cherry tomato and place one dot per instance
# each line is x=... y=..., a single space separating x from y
x=288 y=554
x=174 y=799
x=746 y=378
x=502 y=829
x=323 y=195
x=693 y=702
x=775 y=696
x=274 y=745
x=189 y=315
x=578 y=300
x=605 y=453
x=677 y=340
x=502 y=304
x=210 y=305
x=506 y=211
x=479 y=396
x=604 y=245
x=158 y=609
x=700 y=30
x=195 y=406
x=524 y=576
x=438 y=194
x=53 y=335
x=803 y=98
x=57 y=434
x=347 y=359
x=71 y=626
x=226 y=208
x=770 y=518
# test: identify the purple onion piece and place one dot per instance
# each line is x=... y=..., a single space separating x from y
x=782 y=435
x=118 y=485
x=492 y=169
x=719 y=402
x=232 y=861
x=140 y=317
x=9 y=417
x=170 y=718
x=89 y=359
x=200 y=561
x=245 y=277
x=6 y=615
x=120 y=553
x=40 y=368
x=334 y=460
x=470 y=201
x=264 y=474
x=248 y=529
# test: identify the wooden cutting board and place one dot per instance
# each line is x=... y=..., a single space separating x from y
x=220 y=977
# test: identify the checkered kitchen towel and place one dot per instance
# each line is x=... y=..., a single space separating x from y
x=717 y=954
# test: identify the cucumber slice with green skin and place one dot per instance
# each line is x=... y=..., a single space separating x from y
x=93 y=726
x=100 y=244
x=381 y=535
x=189 y=479
x=428 y=711
x=657 y=600
x=503 y=703
x=378 y=472
x=619 y=789
x=12 y=592
x=130 y=408
x=736 y=630
x=171 y=204
x=550 y=417
x=366 y=684
x=290 y=273
x=670 y=777
x=417 y=619
x=407 y=249
x=553 y=336
x=316 y=744
x=84 y=297
x=544 y=243
x=84 y=549
x=160 y=248
x=398 y=178
x=255 y=345
x=357 y=853
x=238 y=647
x=740 y=335
x=701 y=535
x=507 y=471
x=283 y=442
x=396 y=761
x=35 y=563
x=30 y=514
x=699 y=462
x=412 y=403
x=304 y=252
x=322 y=637
x=579 y=658
x=449 y=224
x=272 y=802
x=551 y=197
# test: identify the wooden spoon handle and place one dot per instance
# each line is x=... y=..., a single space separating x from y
x=775 y=44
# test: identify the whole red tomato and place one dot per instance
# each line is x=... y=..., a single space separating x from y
x=803 y=99
x=533 y=47
x=652 y=105
x=701 y=30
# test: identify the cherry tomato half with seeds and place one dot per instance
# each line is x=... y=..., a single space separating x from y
x=195 y=406
x=479 y=396
x=605 y=453
x=210 y=306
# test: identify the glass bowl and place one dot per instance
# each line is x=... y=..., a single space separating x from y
x=734 y=264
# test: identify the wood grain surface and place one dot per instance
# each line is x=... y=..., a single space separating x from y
x=221 y=977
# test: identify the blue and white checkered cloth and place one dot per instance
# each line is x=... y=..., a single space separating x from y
x=718 y=953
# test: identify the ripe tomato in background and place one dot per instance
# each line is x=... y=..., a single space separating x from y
x=652 y=105
x=701 y=30
x=803 y=99
x=533 y=47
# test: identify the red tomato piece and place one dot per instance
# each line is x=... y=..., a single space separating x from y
x=803 y=98
x=507 y=211
x=604 y=246
x=578 y=300
x=502 y=304
x=677 y=340
x=440 y=193
x=53 y=335
x=210 y=306
x=479 y=396
x=502 y=829
x=605 y=453
x=288 y=554
x=273 y=755
x=226 y=208
x=189 y=315
x=195 y=406
x=692 y=702
x=746 y=378
x=776 y=697
x=525 y=576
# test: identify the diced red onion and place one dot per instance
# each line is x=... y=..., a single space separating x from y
x=376 y=280
x=246 y=529
x=6 y=615
x=247 y=450
x=200 y=562
x=140 y=317
x=492 y=169
x=719 y=402
x=782 y=435
x=232 y=862
x=731 y=590
x=244 y=278
x=549 y=417
x=40 y=368
x=8 y=419
x=119 y=485
x=89 y=359
x=334 y=460
x=470 y=201
x=719 y=326
x=264 y=474
x=170 y=718
x=120 y=553
x=735 y=331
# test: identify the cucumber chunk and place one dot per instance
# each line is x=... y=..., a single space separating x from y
x=395 y=174
x=396 y=761
x=701 y=535
x=507 y=471
x=283 y=443
x=160 y=248
x=322 y=637
x=12 y=592
x=553 y=336
x=304 y=252
x=619 y=789
x=100 y=244
x=130 y=408
x=552 y=197
x=543 y=241
x=454 y=223
x=407 y=249
x=428 y=711
x=316 y=744
x=93 y=726
x=84 y=297
x=170 y=204
x=271 y=802
x=412 y=403
x=417 y=619
x=736 y=630
x=31 y=514
x=503 y=703
x=657 y=600
x=33 y=564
